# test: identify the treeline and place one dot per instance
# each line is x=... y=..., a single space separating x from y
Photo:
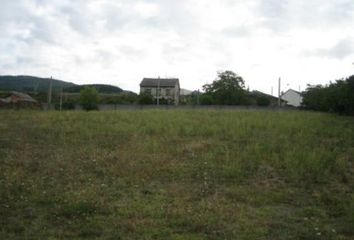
x=229 y=89
x=101 y=88
x=245 y=98
x=335 y=97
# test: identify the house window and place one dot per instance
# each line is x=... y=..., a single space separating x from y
x=148 y=91
x=168 y=92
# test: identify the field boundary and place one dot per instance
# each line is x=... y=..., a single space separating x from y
x=117 y=107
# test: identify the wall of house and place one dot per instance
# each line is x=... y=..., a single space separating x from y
x=167 y=93
x=293 y=98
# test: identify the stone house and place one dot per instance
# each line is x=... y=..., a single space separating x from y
x=162 y=89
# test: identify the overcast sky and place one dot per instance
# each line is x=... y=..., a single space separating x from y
x=121 y=41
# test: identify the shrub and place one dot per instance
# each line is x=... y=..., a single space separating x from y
x=89 y=98
x=145 y=99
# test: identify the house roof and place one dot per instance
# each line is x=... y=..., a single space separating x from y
x=23 y=96
x=291 y=90
x=259 y=93
x=162 y=82
x=263 y=94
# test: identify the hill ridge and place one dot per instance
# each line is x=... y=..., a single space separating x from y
x=27 y=83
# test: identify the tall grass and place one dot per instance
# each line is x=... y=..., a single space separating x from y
x=176 y=175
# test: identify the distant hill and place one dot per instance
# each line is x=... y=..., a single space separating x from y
x=37 y=84
x=185 y=92
x=101 y=88
x=31 y=84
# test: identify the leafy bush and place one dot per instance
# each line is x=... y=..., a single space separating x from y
x=145 y=99
x=163 y=101
x=89 y=98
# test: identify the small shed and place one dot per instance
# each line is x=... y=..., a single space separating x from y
x=18 y=99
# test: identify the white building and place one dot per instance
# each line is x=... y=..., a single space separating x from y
x=292 y=97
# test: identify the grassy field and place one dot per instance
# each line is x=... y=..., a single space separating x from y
x=176 y=175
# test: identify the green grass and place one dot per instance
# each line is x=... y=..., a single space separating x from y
x=176 y=175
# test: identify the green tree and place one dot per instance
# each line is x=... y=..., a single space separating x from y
x=89 y=98
x=206 y=99
x=227 y=89
x=336 y=97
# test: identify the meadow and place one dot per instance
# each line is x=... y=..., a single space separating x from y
x=154 y=174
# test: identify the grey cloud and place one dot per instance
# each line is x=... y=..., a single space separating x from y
x=174 y=55
x=78 y=17
x=280 y=16
x=275 y=13
x=105 y=57
x=42 y=29
x=116 y=18
x=174 y=15
x=19 y=62
x=340 y=50
x=273 y=8
x=24 y=60
x=16 y=19
x=12 y=11
x=132 y=53
x=341 y=10
x=240 y=31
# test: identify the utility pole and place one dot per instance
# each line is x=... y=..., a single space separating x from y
x=35 y=86
x=279 y=86
x=50 y=93
x=158 y=91
x=271 y=91
x=61 y=98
